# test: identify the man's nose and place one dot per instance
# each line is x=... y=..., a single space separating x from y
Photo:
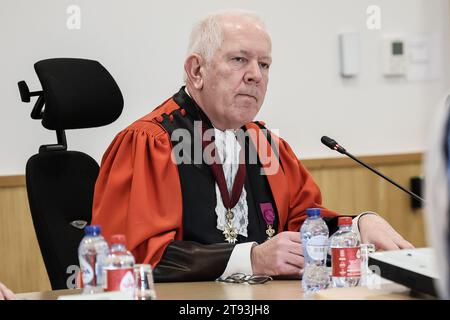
x=253 y=73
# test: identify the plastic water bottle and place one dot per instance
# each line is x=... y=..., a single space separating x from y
x=92 y=252
x=345 y=255
x=119 y=267
x=314 y=234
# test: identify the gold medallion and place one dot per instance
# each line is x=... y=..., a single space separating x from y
x=229 y=215
x=270 y=232
x=230 y=231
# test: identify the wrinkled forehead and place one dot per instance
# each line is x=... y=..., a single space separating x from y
x=245 y=35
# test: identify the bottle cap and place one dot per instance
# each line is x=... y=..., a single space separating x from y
x=118 y=239
x=313 y=212
x=93 y=230
x=344 y=221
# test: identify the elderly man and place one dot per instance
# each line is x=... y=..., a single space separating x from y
x=199 y=221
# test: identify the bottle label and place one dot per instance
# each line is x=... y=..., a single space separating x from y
x=87 y=270
x=317 y=247
x=99 y=269
x=346 y=262
x=120 y=279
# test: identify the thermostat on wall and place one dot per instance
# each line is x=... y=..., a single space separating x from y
x=394 y=57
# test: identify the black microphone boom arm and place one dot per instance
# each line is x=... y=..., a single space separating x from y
x=332 y=144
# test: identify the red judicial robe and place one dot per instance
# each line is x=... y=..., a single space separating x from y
x=139 y=192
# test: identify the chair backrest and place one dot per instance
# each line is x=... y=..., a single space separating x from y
x=60 y=186
x=77 y=93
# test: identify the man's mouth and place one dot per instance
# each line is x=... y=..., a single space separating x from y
x=248 y=96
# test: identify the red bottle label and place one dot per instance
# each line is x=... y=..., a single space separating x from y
x=119 y=279
x=346 y=262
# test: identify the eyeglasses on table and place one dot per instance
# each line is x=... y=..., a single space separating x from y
x=245 y=278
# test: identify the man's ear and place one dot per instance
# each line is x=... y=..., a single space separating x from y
x=194 y=70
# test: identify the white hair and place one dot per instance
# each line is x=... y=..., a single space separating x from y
x=207 y=34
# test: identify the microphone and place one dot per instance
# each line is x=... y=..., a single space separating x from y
x=333 y=145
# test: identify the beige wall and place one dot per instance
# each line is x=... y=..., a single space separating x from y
x=21 y=264
x=350 y=189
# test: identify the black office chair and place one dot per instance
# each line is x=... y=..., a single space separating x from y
x=77 y=93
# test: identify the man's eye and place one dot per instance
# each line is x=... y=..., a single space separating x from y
x=264 y=65
x=238 y=59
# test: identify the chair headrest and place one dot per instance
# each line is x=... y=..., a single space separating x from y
x=78 y=93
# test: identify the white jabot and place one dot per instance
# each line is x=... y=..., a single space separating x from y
x=228 y=149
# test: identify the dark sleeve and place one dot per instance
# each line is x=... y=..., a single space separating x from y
x=192 y=261
x=332 y=223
